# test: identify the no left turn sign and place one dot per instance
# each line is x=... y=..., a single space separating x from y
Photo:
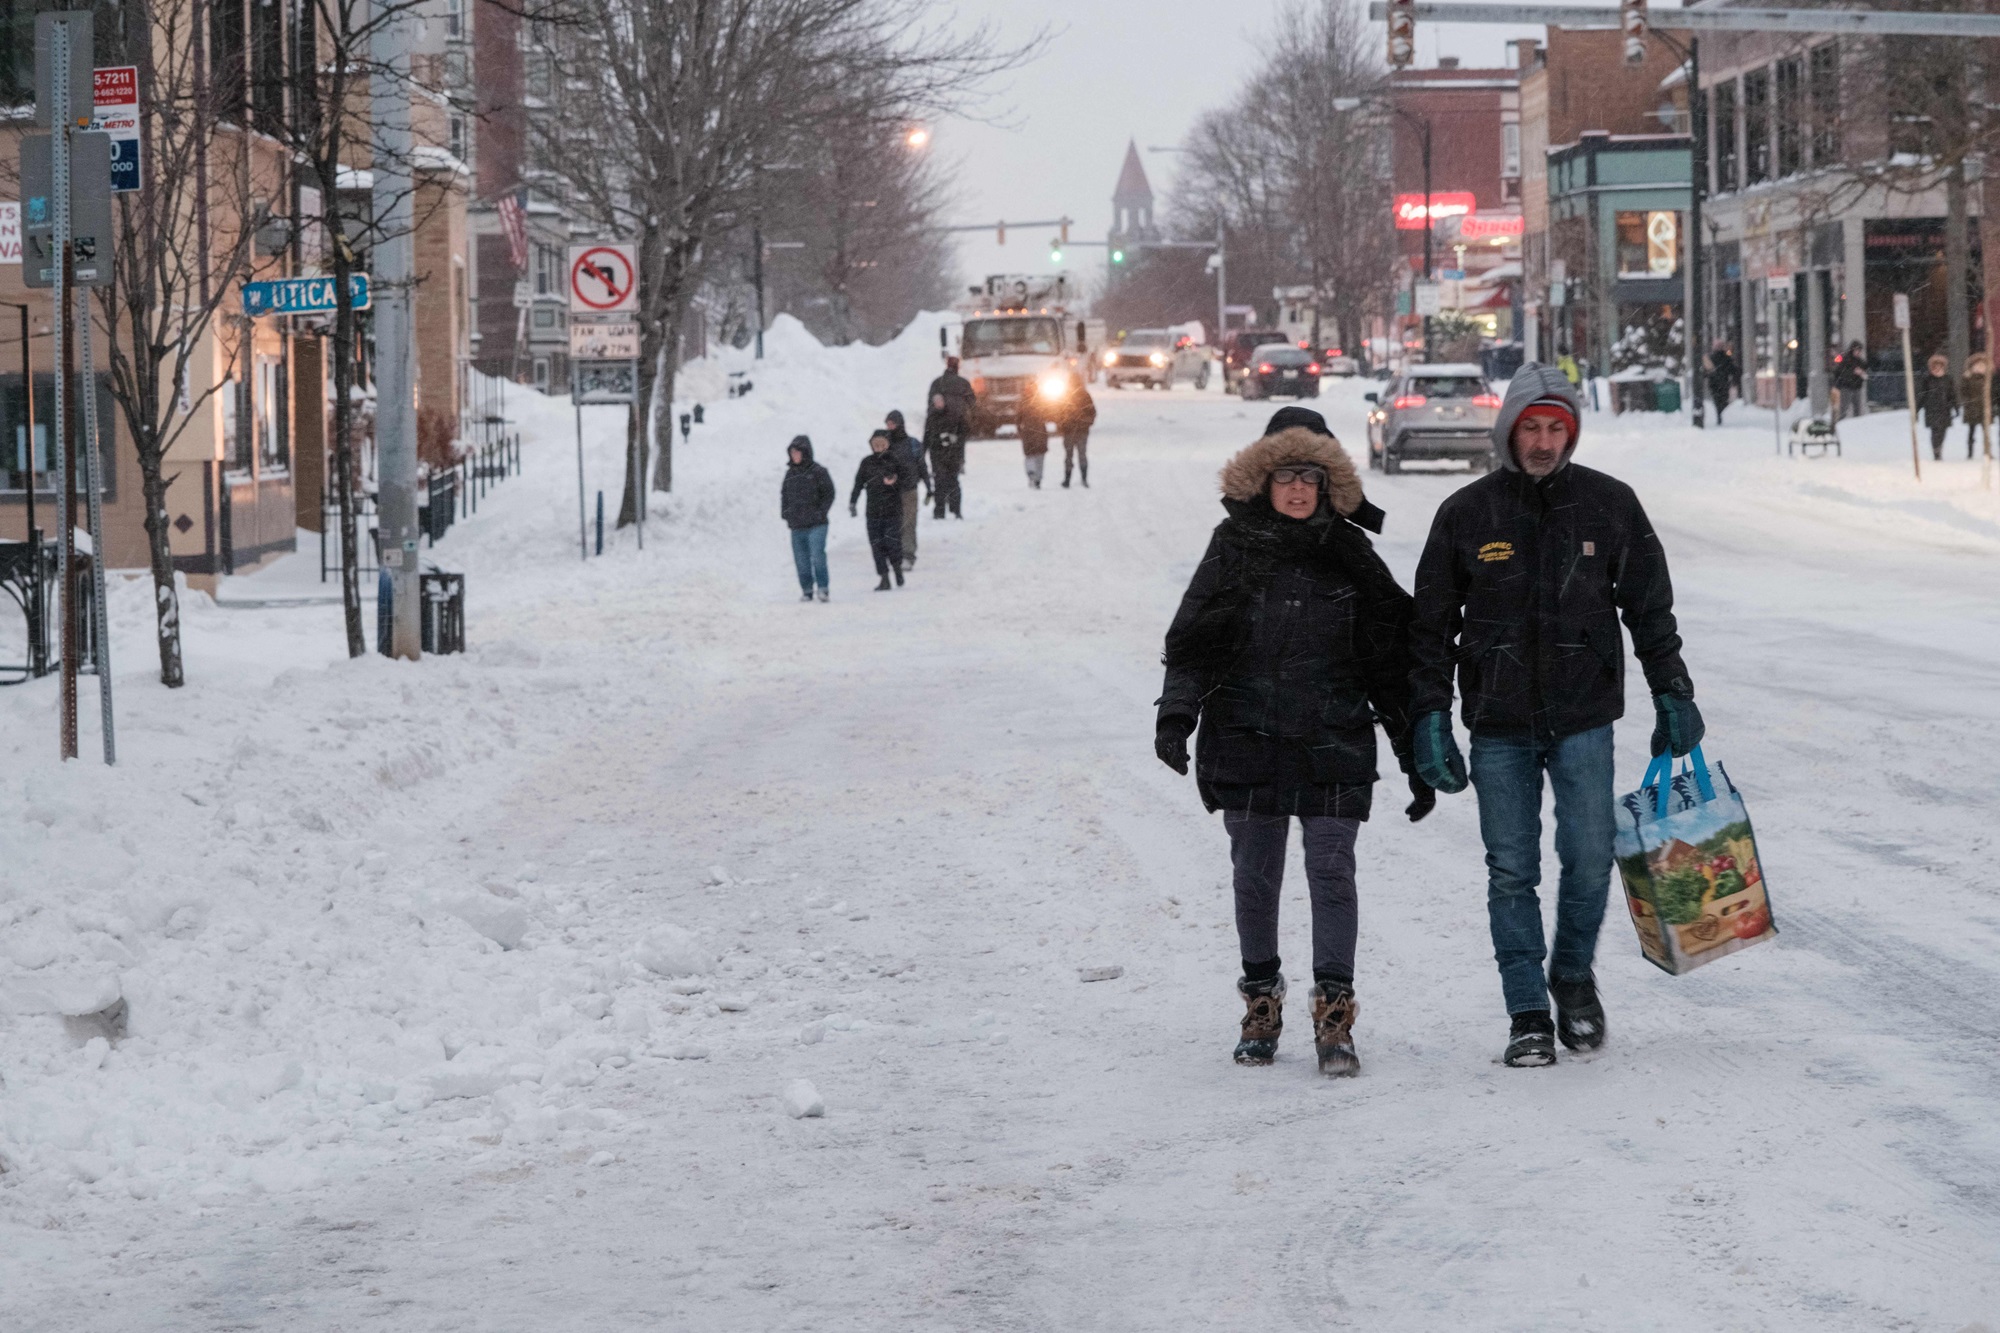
x=603 y=279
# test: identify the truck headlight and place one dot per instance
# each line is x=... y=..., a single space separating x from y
x=1158 y=358
x=1053 y=386
x=1111 y=358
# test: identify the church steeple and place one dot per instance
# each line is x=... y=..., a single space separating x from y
x=1132 y=200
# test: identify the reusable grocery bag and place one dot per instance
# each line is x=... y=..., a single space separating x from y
x=1689 y=862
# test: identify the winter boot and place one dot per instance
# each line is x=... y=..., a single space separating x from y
x=822 y=594
x=1084 y=468
x=899 y=575
x=1334 y=1012
x=806 y=596
x=1532 y=1043
x=1579 y=1013
x=883 y=586
x=1263 y=1019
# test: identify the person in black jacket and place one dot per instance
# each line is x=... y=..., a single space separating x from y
x=1523 y=581
x=910 y=452
x=1288 y=649
x=884 y=478
x=803 y=501
x=947 y=424
x=1078 y=415
x=1937 y=400
x=1722 y=375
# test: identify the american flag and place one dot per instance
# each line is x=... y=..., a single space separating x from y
x=514 y=221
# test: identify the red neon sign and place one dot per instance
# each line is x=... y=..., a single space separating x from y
x=1444 y=204
x=1490 y=226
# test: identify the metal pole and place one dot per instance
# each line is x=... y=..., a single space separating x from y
x=1697 y=334
x=28 y=379
x=1221 y=290
x=757 y=269
x=59 y=125
x=1430 y=223
x=93 y=474
x=582 y=524
x=1910 y=395
x=395 y=378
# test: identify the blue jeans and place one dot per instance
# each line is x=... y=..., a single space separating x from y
x=809 y=554
x=1507 y=774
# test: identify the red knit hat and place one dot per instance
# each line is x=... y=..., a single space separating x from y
x=1550 y=407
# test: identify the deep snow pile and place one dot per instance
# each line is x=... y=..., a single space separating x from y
x=252 y=954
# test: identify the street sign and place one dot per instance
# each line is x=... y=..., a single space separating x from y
x=1429 y=298
x=1452 y=274
x=1899 y=303
x=603 y=279
x=116 y=98
x=604 y=381
x=89 y=209
x=603 y=339
x=10 y=233
x=303 y=296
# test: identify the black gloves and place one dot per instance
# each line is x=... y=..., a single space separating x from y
x=1170 y=742
x=1677 y=722
x=1424 y=799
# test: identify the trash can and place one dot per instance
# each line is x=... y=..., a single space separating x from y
x=1667 y=396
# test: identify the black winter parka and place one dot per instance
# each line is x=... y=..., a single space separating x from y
x=885 y=477
x=956 y=414
x=808 y=491
x=1521 y=588
x=1289 y=647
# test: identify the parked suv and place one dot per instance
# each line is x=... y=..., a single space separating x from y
x=1434 y=412
x=1239 y=347
x=1155 y=358
x=1277 y=370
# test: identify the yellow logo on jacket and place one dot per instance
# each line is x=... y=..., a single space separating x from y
x=1496 y=551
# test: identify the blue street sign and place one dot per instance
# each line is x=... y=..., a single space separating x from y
x=1452 y=274
x=301 y=296
x=124 y=165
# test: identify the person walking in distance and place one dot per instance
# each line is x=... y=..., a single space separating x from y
x=1079 y=414
x=909 y=451
x=1522 y=584
x=804 y=500
x=1721 y=375
x=1937 y=401
x=1850 y=382
x=1976 y=399
x=1034 y=430
x=882 y=477
x=947 y=422
x=1289 y=647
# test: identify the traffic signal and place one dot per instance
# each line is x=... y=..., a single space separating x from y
x=1402 y=33
x=1055 y=251
x=1000 y=233
x=1117 y=256
x=1632 y=19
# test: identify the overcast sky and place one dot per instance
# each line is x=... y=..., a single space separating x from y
x=1112 y=72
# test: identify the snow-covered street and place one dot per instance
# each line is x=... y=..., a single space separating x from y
x=468 y=994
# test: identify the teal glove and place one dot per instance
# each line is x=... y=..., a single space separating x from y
x=1439 y=763
x=1678 y=725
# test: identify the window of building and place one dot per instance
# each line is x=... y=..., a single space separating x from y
x=238 y=446
x=459 y=143
x=17 y=53
x=1824 y=75
x=1722 y=119
x=1649 y=244
x=267 y=58
x=1791 y=116
x=542 y=373
x=1757 y=126
x=226 y=56
x=273 y=424
x=547 y=269
x=454 y=18
x=1510 y=150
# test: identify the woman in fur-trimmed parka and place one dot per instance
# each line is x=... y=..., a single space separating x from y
x=1290 y=647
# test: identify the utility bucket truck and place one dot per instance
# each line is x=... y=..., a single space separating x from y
x=1018 y=341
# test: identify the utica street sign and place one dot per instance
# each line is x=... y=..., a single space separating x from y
x=302 y=296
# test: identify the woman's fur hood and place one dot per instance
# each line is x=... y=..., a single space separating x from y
x=1248 y=475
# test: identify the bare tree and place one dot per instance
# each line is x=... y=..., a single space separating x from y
x=705 y=98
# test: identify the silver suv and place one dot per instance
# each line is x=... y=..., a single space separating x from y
x=1434 y=412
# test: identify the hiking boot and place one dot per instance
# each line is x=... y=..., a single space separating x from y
x=1579 y=1013
x=1263 y=1019
x=1334 y=1011
x=1532 y=1043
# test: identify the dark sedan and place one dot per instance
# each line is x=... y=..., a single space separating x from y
x=1280 y=370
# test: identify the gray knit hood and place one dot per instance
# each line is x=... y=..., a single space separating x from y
x=1533 y=382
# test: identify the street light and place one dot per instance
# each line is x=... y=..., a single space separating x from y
x=1423 y=126
x=918 y=137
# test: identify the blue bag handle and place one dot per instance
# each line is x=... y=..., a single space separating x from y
x=1659 y=776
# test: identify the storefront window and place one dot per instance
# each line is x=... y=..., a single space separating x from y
x=1757 y=126
x=1724 y=120
x=1648 y=244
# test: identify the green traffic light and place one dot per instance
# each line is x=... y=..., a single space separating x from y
x=1117 y=256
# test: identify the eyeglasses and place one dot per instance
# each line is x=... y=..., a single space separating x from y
x=1312 y=476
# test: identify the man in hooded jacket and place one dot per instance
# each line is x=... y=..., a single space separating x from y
x=1520 y=590
x=947 y=423
x=909 y=451
x=804 y=499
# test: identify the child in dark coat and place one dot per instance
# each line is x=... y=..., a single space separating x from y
x=884 y=477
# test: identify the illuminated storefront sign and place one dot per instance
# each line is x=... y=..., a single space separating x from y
x=1444 y=204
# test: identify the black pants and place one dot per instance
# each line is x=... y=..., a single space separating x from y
x=1937 y=440
x=1971 y=437
x=947 y=461
x=1076 y=451
x=1257 y=852
x=885 y=539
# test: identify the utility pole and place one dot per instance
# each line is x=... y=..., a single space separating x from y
x=1221 y=284
x=395 y=378
x=757 y=272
